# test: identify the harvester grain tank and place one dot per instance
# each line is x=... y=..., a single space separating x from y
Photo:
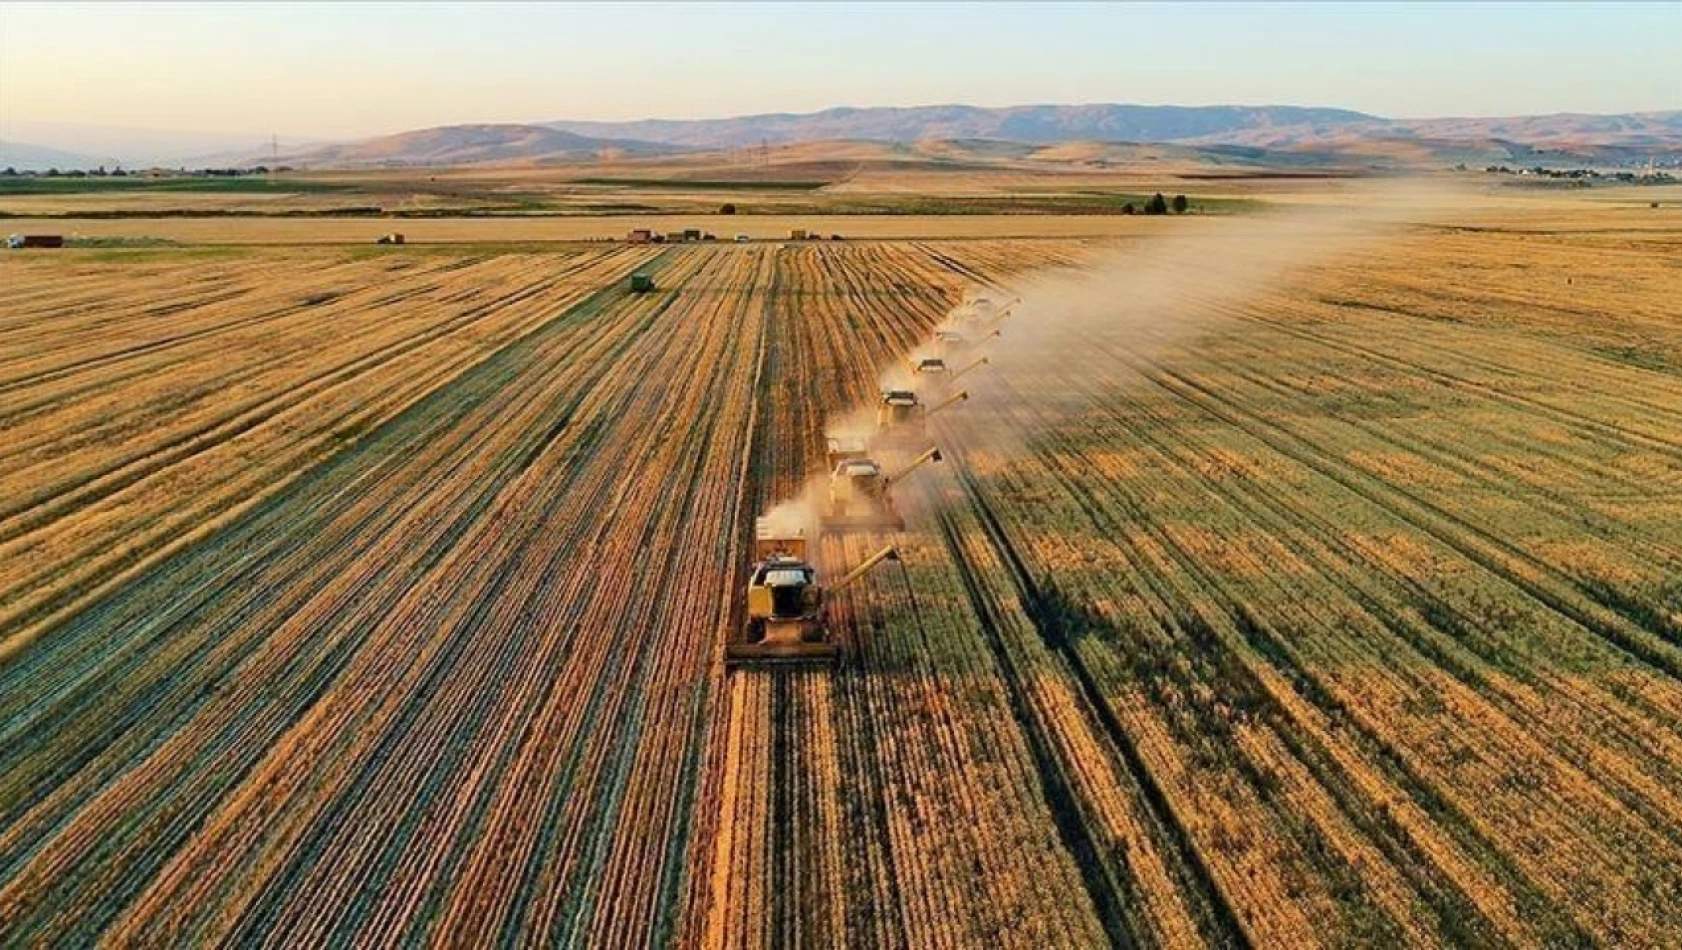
x=929 y=366
x=861 y=494
x=785 y=609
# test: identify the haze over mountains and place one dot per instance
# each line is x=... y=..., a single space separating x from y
x=1257 y=133
x=1041 y=124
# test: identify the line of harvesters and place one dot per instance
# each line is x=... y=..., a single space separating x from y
x=785 y=599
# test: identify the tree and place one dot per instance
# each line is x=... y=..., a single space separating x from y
x=1157 y=204
x=1128 y=208
x=1180 y=204
x=727 y=209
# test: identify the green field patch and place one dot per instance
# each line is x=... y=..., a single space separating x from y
x=699 y=184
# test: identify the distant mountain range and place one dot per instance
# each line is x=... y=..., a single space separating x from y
x=22 y=155
x=473 y=145
x=1278 y=132
x=1263 y=134
x=1035 y=125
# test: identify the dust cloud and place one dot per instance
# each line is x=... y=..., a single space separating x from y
x=1160 y=292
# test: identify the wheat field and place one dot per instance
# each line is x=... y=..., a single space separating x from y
x=377 y=595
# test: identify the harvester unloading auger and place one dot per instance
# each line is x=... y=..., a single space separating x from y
x=861 y=495
x=785 y=615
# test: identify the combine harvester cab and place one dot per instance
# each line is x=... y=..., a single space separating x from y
x=931 y=367
x=785 y=608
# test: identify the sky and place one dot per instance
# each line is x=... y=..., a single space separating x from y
x=318 y=71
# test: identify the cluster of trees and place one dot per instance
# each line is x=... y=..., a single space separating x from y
x=100 y=172
x=118 y=172
x=1159 y=205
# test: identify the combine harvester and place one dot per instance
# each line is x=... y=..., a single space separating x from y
x=860 y=495
x=981 y=313
x=902 y=418
x=952 y=343
x=785 y=623
x=972 y=324
x=937 y=378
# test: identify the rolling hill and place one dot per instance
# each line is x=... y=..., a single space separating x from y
x=471 y=145
x=1039 y=124
x=1044 y=134
x=26 y=157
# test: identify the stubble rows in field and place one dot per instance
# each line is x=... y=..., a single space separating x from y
x=1343 y=618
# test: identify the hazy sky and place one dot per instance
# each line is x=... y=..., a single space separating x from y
x=342 y=69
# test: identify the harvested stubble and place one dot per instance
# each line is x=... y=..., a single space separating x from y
x=384 y=604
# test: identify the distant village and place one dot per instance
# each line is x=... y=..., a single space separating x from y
x=1585 y=176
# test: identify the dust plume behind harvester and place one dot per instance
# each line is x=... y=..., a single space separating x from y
x=785 y=603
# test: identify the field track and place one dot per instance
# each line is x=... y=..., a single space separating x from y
x=378 y=597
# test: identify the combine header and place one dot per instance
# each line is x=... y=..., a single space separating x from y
x=785 y=613
x=860 y=496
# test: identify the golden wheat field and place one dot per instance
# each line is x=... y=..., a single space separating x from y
x=1275 y=590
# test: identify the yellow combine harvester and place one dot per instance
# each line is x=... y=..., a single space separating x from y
x=860 y=495
x=902 y=418
x=981 y=312
x=936 y=378
x=785 y=612
x=952 y=343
